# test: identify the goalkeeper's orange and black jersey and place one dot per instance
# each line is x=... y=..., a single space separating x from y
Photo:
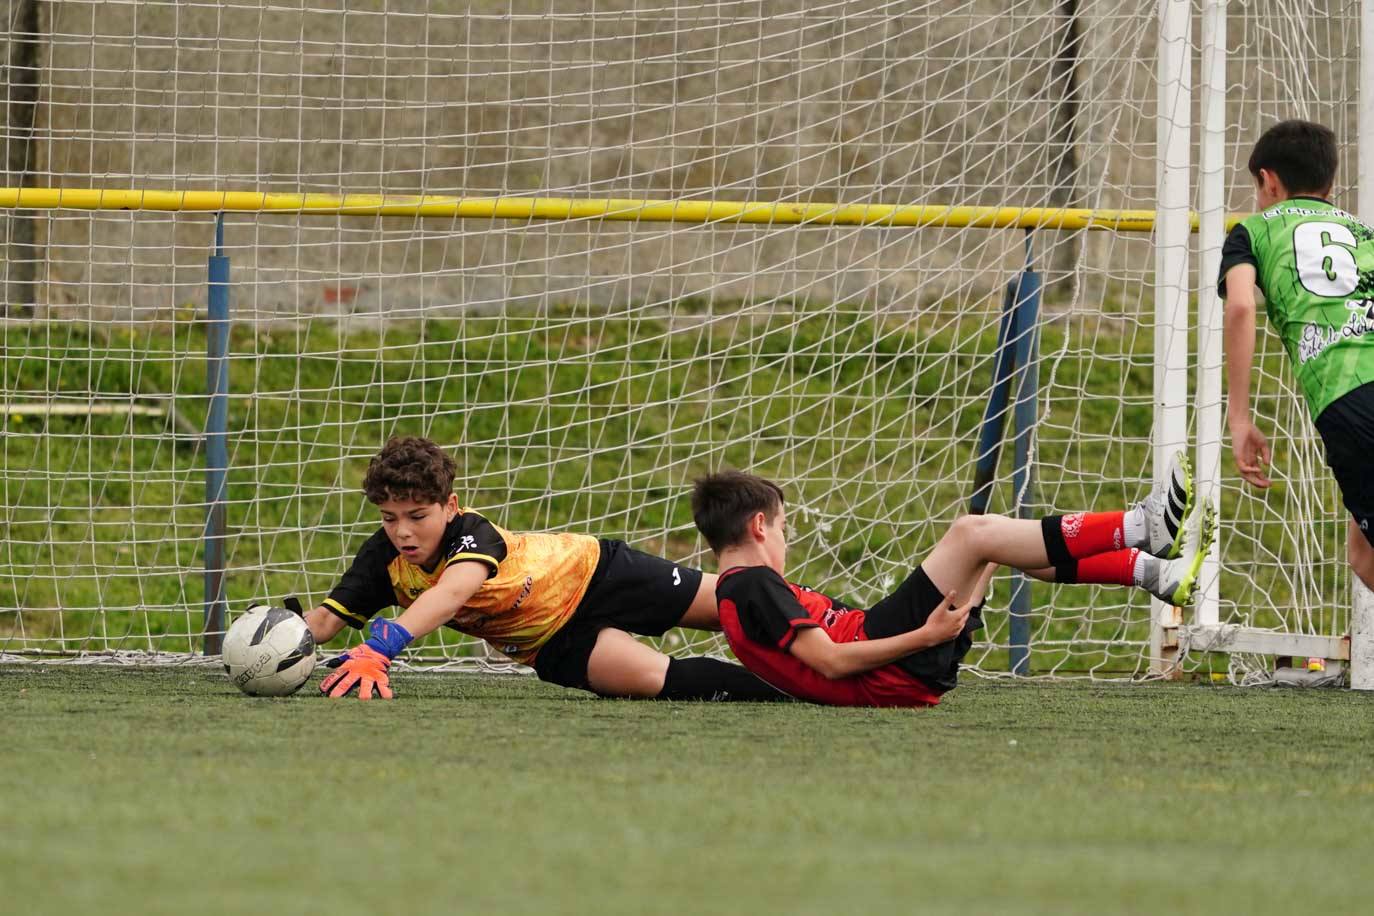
x=534 y=582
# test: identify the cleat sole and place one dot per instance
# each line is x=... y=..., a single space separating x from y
x=1186 y=591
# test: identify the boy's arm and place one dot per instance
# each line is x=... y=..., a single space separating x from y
x=438 y=604
x=1248 y=445
x=324 y=624
x=365 y=667
x=836 y=660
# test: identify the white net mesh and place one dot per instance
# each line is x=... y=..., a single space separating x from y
x=582 y=372
x=1283 y=553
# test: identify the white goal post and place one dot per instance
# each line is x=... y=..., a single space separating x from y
x=1348 y=640
x=844 y=244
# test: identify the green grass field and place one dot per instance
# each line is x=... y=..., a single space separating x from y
x=138 y=791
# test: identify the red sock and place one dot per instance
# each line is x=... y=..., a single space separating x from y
x=1086 y=534
x=1114 y=568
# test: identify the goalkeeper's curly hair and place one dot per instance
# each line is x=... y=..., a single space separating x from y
x=409 y=467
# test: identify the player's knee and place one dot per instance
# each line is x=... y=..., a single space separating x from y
x=963 y=528
x=972 y=530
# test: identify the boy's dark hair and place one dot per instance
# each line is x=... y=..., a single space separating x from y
x=723 y=503
x=1301 y=153
x=409 y=467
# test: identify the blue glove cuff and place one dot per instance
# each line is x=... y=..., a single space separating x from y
x=388 y=637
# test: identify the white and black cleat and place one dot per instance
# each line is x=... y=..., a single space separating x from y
x=1175 y=582
x=1166 y=510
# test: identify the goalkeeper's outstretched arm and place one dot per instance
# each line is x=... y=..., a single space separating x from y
x=324 y=624
x=365 y=667
x=432 y=609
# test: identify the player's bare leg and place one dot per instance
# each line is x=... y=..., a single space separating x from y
x=977 y=589
x=703 y=613
x=976 y=540
x=622 y=666
x=1361 y=554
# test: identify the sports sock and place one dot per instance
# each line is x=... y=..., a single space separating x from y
x=699 y=678
x=1135 y=528
x=1083 y=534
x=1118 y=567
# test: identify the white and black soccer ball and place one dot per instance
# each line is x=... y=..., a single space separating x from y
x=269 y=652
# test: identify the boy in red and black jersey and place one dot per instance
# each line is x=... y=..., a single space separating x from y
x=764 y=615
x=906 y=649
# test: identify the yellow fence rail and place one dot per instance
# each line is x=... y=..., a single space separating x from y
x=562 y=208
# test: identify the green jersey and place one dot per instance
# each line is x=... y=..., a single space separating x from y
x=1315 y=266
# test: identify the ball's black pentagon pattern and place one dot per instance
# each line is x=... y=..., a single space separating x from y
x=304 y=648
x=273 y=617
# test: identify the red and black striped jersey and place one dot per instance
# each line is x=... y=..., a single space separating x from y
x=771 y=609
x=761 y=612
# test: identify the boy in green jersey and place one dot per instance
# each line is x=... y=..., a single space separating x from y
x=1315 y=265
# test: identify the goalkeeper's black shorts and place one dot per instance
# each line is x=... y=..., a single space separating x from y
x=630 y=590
x=1347 y=429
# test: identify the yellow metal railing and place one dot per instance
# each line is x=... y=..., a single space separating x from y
x=562 y=208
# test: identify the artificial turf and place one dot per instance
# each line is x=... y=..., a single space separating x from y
x=166 y=791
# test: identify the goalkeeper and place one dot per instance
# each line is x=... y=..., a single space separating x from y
x=1314 y=263
x=564 y=603
x=906 y=649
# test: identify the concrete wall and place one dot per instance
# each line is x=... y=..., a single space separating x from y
x=855 y=100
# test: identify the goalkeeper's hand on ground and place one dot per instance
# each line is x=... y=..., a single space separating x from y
x=365 y=666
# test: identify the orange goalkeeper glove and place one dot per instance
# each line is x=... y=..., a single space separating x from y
x=365 y=667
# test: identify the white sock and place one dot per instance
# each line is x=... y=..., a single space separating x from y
x=1145 y=573
x=1134 y=528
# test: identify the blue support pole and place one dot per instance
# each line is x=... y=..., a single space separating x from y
x=216 y=439
x=995 y=415
x=1025 y=296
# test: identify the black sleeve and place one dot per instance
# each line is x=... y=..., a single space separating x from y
x=1237 y=250
x=472 y=537
x=366 y=588
x=769 y=613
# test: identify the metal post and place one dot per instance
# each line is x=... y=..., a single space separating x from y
x=216 y=439
x=1362 y=604
x=1173 y=231
x=1015 y=370
x=1211 y=229
x=995 y=414
x=1025 y=325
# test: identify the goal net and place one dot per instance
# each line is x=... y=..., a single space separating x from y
x=582 y=370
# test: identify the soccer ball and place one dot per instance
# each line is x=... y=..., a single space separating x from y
x=269 y=652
